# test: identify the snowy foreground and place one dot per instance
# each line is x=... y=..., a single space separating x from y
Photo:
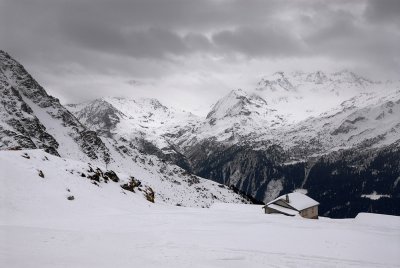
x=104 y=227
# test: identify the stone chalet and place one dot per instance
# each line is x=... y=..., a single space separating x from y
x=293 y=204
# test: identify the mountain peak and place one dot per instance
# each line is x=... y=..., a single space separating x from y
x=155 y=103
x=346 y=76
x=237 y=93
x=4 y=54
x=236 y=103
x=317 y=77
x=276 y=82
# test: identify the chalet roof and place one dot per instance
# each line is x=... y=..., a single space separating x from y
x=287 y=211
x=297 y=201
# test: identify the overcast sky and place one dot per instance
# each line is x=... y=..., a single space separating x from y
x=189 y=53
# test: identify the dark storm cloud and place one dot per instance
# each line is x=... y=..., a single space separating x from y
x=156 y=28
x=151 y=43
x=144 y=28
x=198 y=42
x=59 y=40
x=342 y=35
x=383 y=11
x=259 y=42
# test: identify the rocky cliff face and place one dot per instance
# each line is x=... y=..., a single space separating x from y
x=33 y=119
x=21 y=129
x=100 y=116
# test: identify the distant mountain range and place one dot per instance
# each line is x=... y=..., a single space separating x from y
x=335 y=136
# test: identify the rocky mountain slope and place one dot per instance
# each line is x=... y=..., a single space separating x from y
x=31 y=119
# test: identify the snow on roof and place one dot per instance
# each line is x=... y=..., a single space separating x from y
x=297 y=201
x=283 y=210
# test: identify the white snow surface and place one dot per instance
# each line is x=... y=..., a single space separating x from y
x=103 y=227
x=374 y=195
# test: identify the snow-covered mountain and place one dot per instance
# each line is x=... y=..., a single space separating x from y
x=133 y=119
x=338 y=110
x=363 y=121
x=315 y=111
x=300 y=95
x=31 y=119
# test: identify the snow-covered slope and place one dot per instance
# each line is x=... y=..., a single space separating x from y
x=170 y=184
x=298 y=95
x=366 y=120
x=37 y=184
x=104 y=227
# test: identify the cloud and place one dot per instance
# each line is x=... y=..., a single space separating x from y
x=347 y=37
x=200 y=48
x=386 y=11
x=150 y=43
x=255 y=42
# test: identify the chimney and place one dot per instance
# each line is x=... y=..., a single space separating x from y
x=287 y=198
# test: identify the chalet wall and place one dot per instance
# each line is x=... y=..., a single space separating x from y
x=310 y=213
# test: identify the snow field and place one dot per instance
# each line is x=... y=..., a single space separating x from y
x=103 y=227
